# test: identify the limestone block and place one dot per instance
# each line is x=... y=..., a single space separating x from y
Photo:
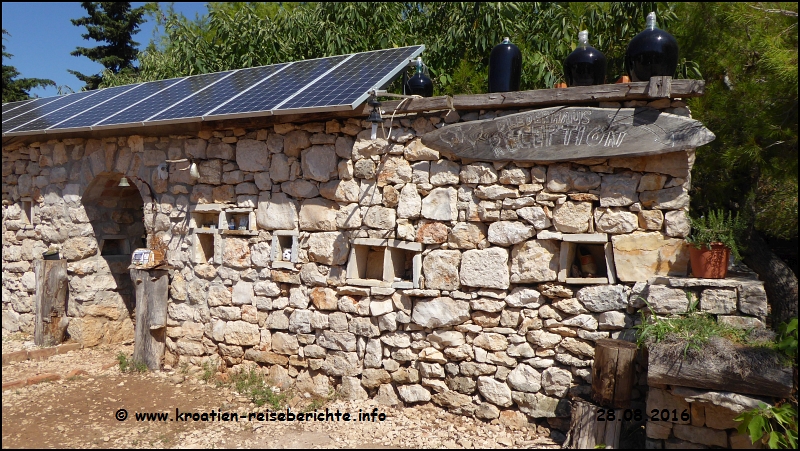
x=349 y=217
x=496 y=392
x=495 y=192
x=491 y=341
x=379 y=217
x=675 y=198
x=340 y=190
x=416 y=151
x=676 y=224
x=556 y=381
x=279 y=169
x=467 y=235
x=318 y=215
x=612 y=321
x=641 y=255
x=393 y=170
x=344 y=147
x=535 y=261
x=414 y=393
x=619 y=190
x=366 y=148
x=514 y=176
x=651 y=219
x=242 y=333
x=524 y=297
x=615 y=220
x=300 y=321
x=324 y=298
x=252 y=155
x=328 y=248
x=572 y=217
x=524 y=378
x=482 y=173
x=242 y=293
x=718 y=301
x=485 y=268
x=444 y=172
x=753 y=299
x=664 y=300
x=285 y=343
x=508 y=233
x=701 y=435
x=300 y=188
x=439 y=312
x=236 y=253
x=370 y=194
x=276 y=212
x=676 y=164
x=440 y=204
x=441 y=270
x=337 y=341
x=295 y=141
x=535 y=216
x=431 y=232
x=651 y=182
x=603 y=298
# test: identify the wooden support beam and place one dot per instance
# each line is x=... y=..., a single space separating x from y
x=151 y=315
x=613 y=373
x=50 y=302
x=590 y=427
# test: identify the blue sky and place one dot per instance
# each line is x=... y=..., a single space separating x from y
x=42 y=38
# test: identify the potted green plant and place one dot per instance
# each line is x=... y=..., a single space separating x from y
x=714 y=238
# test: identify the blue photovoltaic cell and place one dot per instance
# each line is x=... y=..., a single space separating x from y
x=44 y=109
x=11 y=105
x=65 y=113
x=35 y=103
x=345 y=84
x=95 y=115
x=273 y=91
x=205 y=101
x=164 y=99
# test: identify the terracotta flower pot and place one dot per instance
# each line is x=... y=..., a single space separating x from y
x=560 y=85
x=710 y=263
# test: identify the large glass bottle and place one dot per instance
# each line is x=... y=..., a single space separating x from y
x=505 y=67
x=586 y=65
x=419 y=84
x=651 y=53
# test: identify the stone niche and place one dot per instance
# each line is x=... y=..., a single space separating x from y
x=282 y=241
x=602 y=253
x=383 y=262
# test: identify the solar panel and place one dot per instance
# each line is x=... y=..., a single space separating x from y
x=22 y=109
x=11 y=105
x=322 y=84
x=45 y=109
x=348 y=85
x=74 y=109
x=264 y=96
x=218 y=93
x=164 y=99
x=95 y=115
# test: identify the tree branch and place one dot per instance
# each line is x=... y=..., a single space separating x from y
x=779 y=11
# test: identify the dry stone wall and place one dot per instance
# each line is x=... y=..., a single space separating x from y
x=373 y=265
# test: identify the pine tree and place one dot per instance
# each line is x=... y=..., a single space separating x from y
x=15 y=89
x=114 y=23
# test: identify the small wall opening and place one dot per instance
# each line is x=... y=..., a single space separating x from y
x=117 y=245
x=283 y=252
x=26 y=206
x=204 y=247
x=384 y=262
x=586 y=259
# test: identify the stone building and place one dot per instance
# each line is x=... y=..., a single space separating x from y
x=381 y=266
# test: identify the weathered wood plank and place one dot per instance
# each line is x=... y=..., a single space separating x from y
x=50 y=302
x=151 y=314
x=659 y=87
x=701 y=374
x=589 y=428
x=569 y=133
x=618 y=92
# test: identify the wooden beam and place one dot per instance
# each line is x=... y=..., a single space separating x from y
x=618 y=92
x=50 y=302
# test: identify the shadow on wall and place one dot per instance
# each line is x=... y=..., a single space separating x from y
x=117 y=218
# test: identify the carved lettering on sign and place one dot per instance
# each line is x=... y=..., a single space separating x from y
x=570 y=133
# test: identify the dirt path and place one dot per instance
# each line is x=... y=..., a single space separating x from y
x=80 y=412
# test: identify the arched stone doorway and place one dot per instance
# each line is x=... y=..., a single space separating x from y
x=116 y=214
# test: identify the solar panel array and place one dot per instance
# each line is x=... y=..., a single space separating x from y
x=323 y=84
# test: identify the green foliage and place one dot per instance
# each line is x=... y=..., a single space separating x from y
x=127 y=365
x=113 y=23
x=773 y=426
x=787 y=340
x=716 y=227
x=748 y=54
x=696 y=329
x=251 y=383
x=14 y=88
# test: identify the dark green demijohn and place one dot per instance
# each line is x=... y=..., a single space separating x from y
x=586 y=65
x=651 y=53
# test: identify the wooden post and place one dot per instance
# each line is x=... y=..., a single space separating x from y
x=50 y=302
x=613 y=373
x=659 y=86
x=151 y=315
x=589 y=427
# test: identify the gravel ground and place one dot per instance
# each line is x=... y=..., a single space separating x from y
x=80 y=412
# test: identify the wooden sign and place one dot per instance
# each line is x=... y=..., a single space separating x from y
x=569 y=133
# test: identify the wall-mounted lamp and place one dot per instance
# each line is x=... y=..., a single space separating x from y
x=374 y=116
